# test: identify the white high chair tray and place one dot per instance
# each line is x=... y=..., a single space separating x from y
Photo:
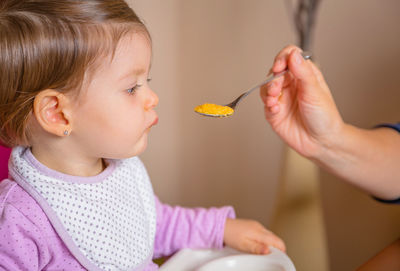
x=227 y=259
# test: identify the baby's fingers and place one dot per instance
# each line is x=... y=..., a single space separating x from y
x=255 y=247
x=273 y=240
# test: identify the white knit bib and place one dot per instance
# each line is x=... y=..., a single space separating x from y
x=108 y=222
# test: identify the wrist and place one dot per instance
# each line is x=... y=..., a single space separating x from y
x=227 y=231
x=344 y=152
x=335 y=145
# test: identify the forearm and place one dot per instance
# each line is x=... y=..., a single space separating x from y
x=368 y=159
x=388 y=259
x=179 y=227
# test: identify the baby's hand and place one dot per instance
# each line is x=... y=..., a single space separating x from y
x=250 y=236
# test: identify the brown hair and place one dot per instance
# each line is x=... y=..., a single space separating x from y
x=51 y=45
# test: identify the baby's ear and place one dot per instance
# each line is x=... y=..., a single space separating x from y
x=50 y=109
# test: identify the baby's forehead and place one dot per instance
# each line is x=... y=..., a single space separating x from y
x=132 y=56
x=133 y=51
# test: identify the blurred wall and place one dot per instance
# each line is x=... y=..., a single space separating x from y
x=210 y=51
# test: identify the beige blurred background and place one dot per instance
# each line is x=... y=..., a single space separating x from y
x=212 y=50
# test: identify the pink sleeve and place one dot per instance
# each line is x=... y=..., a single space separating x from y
x=22 y=247
x=179 y=228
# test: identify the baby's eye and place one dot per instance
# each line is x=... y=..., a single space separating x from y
x=133 y=89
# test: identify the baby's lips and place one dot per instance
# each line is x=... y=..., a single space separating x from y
x=154 y=122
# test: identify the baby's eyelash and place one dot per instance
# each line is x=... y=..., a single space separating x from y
x=134 y=88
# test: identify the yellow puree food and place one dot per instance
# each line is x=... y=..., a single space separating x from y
x=214 y=109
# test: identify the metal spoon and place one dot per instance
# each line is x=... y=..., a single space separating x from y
x=233 y=104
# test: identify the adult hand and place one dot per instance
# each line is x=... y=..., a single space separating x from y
x=299 y=105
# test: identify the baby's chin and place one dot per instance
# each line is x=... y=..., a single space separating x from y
x=131 y=152
x=128 y=150
x=124 y=155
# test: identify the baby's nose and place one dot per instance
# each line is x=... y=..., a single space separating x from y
x=152 y=100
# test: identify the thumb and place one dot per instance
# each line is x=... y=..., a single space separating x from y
x=301 y=68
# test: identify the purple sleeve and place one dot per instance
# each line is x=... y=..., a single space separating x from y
x=179 y=228
x=22 y=246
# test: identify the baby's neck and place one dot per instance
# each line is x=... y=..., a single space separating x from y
x=69 y=163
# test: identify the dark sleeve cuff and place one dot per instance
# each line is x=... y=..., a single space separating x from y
x=397 y=128
x=389 y=125
x=394 y=201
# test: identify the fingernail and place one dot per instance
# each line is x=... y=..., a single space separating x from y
x=270 y=84
x=278 y=62
x=298 y=57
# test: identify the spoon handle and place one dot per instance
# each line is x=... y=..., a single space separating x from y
x=268 y=79
x=306 y=56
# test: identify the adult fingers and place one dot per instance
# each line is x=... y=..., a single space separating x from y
x=318 y=75
x=281 y=59
x=302 y=69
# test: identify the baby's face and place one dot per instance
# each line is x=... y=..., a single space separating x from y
x=116 y=110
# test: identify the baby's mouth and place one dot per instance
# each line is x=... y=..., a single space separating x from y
x=154 y=122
